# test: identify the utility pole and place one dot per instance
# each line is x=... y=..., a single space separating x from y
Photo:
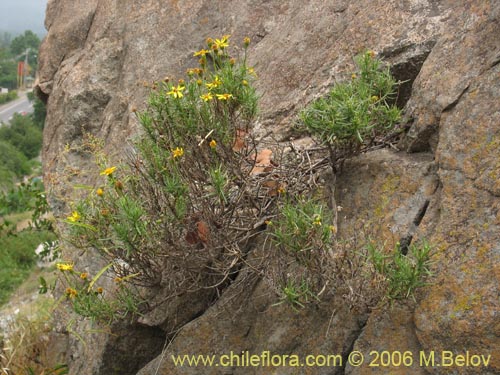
x=25 y=73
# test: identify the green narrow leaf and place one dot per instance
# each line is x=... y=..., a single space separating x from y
x=42 y=289
x=96 y=277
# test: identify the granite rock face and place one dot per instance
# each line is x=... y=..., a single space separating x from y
x=98 y=53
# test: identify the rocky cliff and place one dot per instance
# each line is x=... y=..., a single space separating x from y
x=93 y=63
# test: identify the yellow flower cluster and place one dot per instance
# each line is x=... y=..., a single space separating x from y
x=177 y=152
x=176 y=91
x=317 y=220
x=108 y=171
x=201 y=52
x=215 y=83
x=222 y=42
x=224 y=96
x=74 y=217
x=194 y=71
x=64 y=266
x=207 y=97
x=71 y=293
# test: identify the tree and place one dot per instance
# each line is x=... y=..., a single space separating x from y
x=39 y=110
x=12 y=161
x=21 y=42
x=24 y=135
x=8 y=70
x=5 y=40
x=24 y=41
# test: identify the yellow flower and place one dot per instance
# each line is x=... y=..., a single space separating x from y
x=209 y=41
x=223 y=42
x=371 y=54
x=191 y=72
x=75 y=216
x=213 y=143
x=99 y=192
x=353 y=75
x=317 y=220
x=84 y=276
x=201 y=52
x=207 y=97
x=244 y=82
x=333 y=229
x=100 y=290
x=374 y=98
x=199 y=82
x=178 y=152
x=252 y=72
x=71 y=293
x=246 y=41
x=176 y=92
x=64 y=266
x=215 y=83
x=281 y=190
x=108 y=171
x=224 y=96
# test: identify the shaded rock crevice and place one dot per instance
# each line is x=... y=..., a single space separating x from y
x=350 y=347
x=405 y=64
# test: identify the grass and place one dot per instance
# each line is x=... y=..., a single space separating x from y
x=23 y=348
x=18 y=258
x=403 y=273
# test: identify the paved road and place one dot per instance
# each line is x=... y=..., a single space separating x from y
x=21 y=105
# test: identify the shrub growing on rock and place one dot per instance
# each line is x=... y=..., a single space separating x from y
x=197 y=188
x=357 y=113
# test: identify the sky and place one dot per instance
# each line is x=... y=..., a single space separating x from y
x=16 y=16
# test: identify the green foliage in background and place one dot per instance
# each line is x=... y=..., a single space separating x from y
x=13 y=163
x=39 y=110
x=12 y=51
x=23 y=41
x=22 y=198
x=8 y=70
x=17 y=258
x=11 y=95
x=23 y=134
